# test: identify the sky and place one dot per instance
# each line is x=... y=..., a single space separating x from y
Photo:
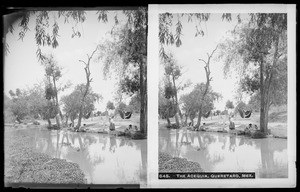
x=22 y=68
x=195 y=48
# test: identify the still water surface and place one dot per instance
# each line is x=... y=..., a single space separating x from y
x=221 y=152
x=105 y=159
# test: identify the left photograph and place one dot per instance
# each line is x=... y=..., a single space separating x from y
x=75 y=96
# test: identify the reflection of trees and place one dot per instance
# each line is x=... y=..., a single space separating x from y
x=232 y=140
x=65 y=135
x=242 y=141
x=184 y=135
x=201 y=153
x=177 y=145
x=266 y=156
x=78 y=150
x=83 y=157
x=80 y=155
x=58 y=151
x=141 y=172
x=113 y=144
x=270 y=168
x=222 y=139
x=197 y=151
x=45 y=139
x=103 y=140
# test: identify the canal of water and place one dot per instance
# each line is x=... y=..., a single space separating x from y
x=221 y=152
x=105 y=159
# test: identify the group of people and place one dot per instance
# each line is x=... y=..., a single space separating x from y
x=112 y=125
x=130 y=128
x=251 y=127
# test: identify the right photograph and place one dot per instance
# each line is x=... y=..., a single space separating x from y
x=223 y=96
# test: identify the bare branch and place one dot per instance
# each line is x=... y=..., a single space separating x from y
x=207 y=56
x=202 y=60
x=94 y=52
x=82 y=62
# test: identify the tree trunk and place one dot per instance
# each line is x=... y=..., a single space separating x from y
x=143 y=126
x=199 y=119
x=144 y=74
x=169 y=122
x=67 y=119
x=192 y=120
x=178 y=111
x=49 y=122
x=73 y=123
x=208 y=79
x=58 y=121
x=186 y=118
x=56 y=101
x=265 y=89
x=81 y=107
x=87 y=86
x=177 y=119
x=146 y=99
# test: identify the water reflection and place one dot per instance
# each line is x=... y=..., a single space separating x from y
x=103 y=158
x=219 y=152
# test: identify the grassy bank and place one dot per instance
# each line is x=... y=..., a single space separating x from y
x=24 y=165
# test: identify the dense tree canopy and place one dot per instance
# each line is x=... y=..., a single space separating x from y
x=126 y=53
x=29 y=102
x=191 y=101
x=110 y=105
x=229 y=104
x=259 y=49
x=72 y=102
x=166 y=107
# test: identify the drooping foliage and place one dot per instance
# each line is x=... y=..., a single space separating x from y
x=259 y=49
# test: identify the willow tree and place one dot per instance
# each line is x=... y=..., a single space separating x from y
x=72 y=103
x=172 y=74
x=166 y=107
x=126 y=54
x=259 y=48
x=192 y=103
x=53 y=74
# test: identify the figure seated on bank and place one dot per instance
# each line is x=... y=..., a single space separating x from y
x=200 y=128
x=250 y=128
x=129 y=128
